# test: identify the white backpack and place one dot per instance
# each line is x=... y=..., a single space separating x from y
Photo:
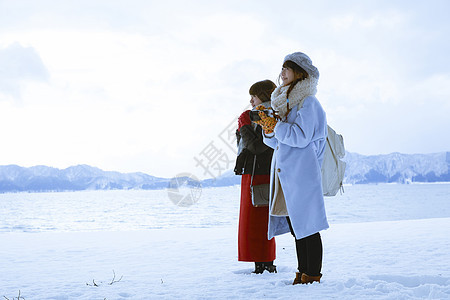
x=333 y=168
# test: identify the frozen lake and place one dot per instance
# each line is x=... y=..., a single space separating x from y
x=217 y=207
x=384 y=242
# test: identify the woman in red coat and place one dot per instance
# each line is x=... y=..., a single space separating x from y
x=253 y=244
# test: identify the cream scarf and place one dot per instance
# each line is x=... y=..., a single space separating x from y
x=303 y=89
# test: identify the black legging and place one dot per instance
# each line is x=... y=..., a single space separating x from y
x=309 y=253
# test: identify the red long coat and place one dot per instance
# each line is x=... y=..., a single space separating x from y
x=253 y=244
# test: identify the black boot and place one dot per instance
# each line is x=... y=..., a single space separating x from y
x=259 y=268
x=269 y=266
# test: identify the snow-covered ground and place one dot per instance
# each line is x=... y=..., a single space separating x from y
x=193 y=252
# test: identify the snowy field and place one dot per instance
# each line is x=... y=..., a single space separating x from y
x=385 y=242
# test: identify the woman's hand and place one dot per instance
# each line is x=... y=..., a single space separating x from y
x=267 y=122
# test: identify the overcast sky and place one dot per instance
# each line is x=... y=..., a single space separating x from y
x=156 y=86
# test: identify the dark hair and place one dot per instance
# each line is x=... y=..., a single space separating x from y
x=298 y=71
x=262 y=89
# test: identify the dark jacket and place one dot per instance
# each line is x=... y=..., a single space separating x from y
x=250 y=143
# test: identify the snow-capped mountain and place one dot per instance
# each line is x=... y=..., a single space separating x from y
x=394 y=167
x=14 y=178
x=397 y=167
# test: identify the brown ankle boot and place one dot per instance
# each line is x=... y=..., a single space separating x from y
x=298 y=278
x=305 y=279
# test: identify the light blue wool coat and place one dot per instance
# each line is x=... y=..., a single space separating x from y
x=299 y=145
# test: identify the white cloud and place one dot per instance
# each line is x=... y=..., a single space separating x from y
x=147 y=86
x=386 y=20
x=19 y=65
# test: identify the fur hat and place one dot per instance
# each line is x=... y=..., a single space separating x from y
x=303 y=61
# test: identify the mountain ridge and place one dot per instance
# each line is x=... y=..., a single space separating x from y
x=397 y=167
x=361 y=169
x=14 y=178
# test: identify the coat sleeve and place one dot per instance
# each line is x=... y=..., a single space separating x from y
x=250 y=142
x=270 y=140
x=309 y=125
x=252 y=139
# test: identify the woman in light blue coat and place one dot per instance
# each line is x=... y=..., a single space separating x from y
x=298 y=140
